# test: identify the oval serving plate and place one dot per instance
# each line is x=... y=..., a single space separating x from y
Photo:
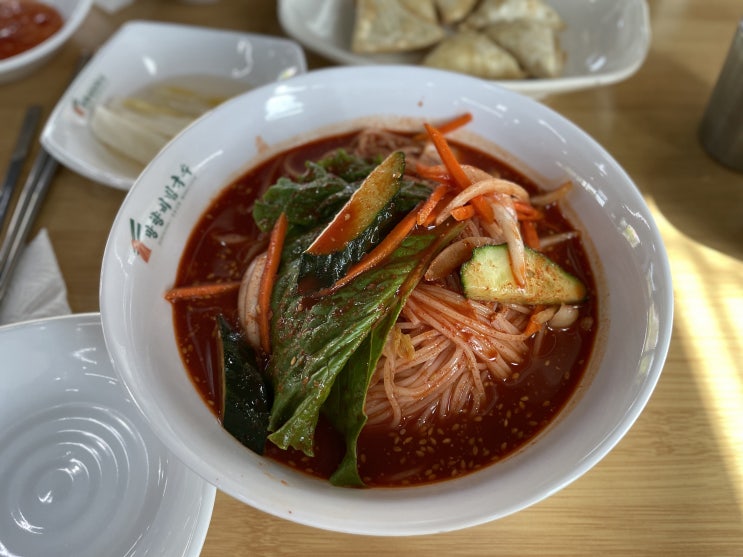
x=604 y=41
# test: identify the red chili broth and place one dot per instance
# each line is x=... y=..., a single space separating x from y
x=25 y=24
x=225 y=240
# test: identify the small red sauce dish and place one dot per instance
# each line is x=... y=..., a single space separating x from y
x=25 y=24
x=32 y=31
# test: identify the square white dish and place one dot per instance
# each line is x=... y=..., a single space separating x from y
x=605 y=41
x=141 y=53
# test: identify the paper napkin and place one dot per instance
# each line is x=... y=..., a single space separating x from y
x=36 y=288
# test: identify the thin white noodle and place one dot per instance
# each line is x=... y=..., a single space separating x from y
x=445 y=349
x=553 y=239
x=552 y=196
x=476 y=174
x=457 y=346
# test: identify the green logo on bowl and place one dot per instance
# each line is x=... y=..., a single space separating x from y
x=82 y=105
x=166 y=204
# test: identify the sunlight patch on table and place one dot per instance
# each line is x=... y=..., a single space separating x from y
x=715 y=338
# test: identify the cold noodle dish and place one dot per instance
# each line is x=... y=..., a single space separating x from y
x=385 y=309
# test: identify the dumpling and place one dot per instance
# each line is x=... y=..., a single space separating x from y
x=474 y=54
x=387 y=26
x=533 y=43
x=425 y=9
x=452 y=11
x=494 y=11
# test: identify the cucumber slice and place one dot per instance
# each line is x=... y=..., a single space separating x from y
x=360 y=211
x=359 y=225
x=487 y=277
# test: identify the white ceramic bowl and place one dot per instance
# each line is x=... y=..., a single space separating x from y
x=605 y=41
x=626 y=248
x=81 y=473
x=73 y=13
x=142 y=53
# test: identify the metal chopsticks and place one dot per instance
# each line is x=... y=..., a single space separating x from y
x=29 y=200
x=18 y=158
x=26 y=209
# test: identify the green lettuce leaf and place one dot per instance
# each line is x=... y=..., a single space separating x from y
x=360 y=224
x=345 y=405
x=314 y=198
x=314 y=340
x=339 y=337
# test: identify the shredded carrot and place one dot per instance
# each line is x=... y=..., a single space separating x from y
x=430 y=204
x=451 y=125
x=526 y=211
x=456 y=123
x=463 y=213
x=273 y=257
x=534 y=326
x=200 y=291
x=447 y=157
x=457 y=172
x=529 y=234
x=380 y=252
x=437 y=173
x=431 y=219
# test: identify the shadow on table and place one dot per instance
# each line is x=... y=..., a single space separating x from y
x=697 y=195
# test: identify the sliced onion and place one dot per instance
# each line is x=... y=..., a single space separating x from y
x=483 y=187
x=452 y=256
x=564 y=317
x=247 y=300
x=551 y=196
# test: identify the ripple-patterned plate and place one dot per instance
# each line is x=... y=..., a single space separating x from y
x=81 y=473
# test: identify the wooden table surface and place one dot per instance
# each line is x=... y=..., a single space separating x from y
x=674 y=484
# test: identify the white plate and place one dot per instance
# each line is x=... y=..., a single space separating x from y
x=141 y=53
x=605 y=40
x=81 y=473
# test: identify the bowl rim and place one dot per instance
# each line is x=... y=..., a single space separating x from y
x=660 y=259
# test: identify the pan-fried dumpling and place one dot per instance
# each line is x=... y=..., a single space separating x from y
x=425 y=9
x=387 y=26
x=532 y=43
x=493 y=11
x=474 y=54
x=452 y=11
